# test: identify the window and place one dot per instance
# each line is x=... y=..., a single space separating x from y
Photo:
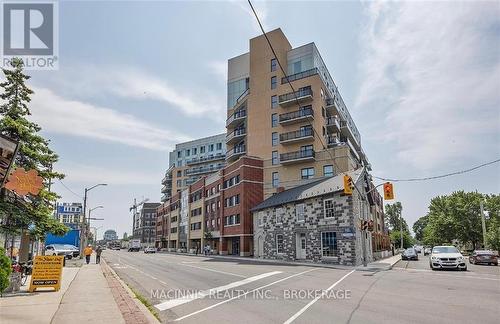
x=196 y=226
x=218 y=204
x=232 y=220
x=179 y=173
x=213 y=206
x=195 y=151
x=274 y=64
x=274 y=102
x=323 y=111
x=274 y=120
x=300 y=212
x=275 y=159
x=276 y=179
x=260 y=219
x=232 y=181
x=328 y=244
x=179 y=154
x=274 y=139
x=328 y=170
x=219 y=146
x=279 y=244
x=211 y=148
x=274 y=82
x=232 y=201
x=202 y=149
x=173 y=230
x=179 y=183
x=279 y=215
x=307 y=173
x=329 y=207
x=188 y=152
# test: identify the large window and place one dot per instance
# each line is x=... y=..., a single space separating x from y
x=275 y=158
x=235 y=89
x=276 y=179
x=274 y=82
x=328 y=170
x=232 y=201
x=307 y=173
x=329 y=208
x=329 y=244
x=274 y=139
x=274 y=120
x=279 y=244
x=300 y=212
x=274 y=64
x=274 y=102
x=232 y=220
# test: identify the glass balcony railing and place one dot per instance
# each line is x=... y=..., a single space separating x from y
x=297 y=95
x=236 y=151
x=238 y=115
x=294 y=115
x=204 y=169
x=300 y=75
x=297 y=155
x=236 y=133
x=218 y=156
x=297 y=135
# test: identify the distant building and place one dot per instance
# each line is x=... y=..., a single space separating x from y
x=110 y=235
x=145 y=224
x=192 y=160
x=70 y=214
x=125 y=235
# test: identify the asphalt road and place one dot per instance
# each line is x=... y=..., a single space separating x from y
x=216 y=290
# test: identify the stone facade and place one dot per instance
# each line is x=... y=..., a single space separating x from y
x=343 y=223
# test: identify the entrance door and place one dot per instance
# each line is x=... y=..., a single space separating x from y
x=236 y=246
x=301 y=246
x=260 y=247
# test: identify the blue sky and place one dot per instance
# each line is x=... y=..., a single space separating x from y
x=421 y=79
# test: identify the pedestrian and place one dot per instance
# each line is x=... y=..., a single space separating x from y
x=87 y=252
x=98 y=252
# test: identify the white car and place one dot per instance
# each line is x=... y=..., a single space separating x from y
x=150 y=250
x=60 y=249
x=447 y=257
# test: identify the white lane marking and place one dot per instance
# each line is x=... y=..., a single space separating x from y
x=191 y=261
x=144 y=273
x=244 y=294
x=213 y=270
x=183 y=300
x=294 y=317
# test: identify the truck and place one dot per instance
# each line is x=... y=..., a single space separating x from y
x=134 y=245
x=71 y=238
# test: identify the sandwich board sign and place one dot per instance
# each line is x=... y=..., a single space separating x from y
x=47 y=272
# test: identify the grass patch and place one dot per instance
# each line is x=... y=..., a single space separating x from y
x=146 y=303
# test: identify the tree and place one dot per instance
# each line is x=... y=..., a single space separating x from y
x=419 y=226
x=34 y=153
x=396 y=239
x=393 y=217
x=493 y=235
x=5 y=270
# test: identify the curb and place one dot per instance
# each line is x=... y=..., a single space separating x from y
x=150 y=317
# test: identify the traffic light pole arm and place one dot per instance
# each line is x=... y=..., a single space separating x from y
x=375 y=187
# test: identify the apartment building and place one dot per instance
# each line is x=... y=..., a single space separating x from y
x=192 y=160
x=70 y=214
x=144 y=225
x=215 y=210
x=301 y=134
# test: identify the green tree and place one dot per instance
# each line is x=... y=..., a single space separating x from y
x=34 y=153
x=393 y=217
x=493 y=235
x=5 y=270
x=396 y=239
x=419 y=226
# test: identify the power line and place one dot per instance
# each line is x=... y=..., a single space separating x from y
x=439 y=176
x=67 y=188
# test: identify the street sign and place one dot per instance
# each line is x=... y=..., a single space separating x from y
x=8 y=149
x=47 y=272
x=23 y=182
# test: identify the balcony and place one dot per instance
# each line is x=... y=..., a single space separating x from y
x=166 y=179
x=296 y=116
x=207 y=169
x=302 y=95
x=297 y=156
x=300 y=75
x=332 y=106
x=236 y=152
x=297 y=136
x=190 y=181
x=236 y=118
x=334 y=141
x=208 y=158
x=333 y=124
x=166 y=188
x=236 y=135
x=347 y=132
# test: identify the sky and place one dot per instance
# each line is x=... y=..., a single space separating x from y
x=421 y=80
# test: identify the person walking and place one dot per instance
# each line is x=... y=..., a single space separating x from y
x=98 y=252
x=87 y=252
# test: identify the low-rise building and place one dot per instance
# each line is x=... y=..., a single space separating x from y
x=315 y=222
x=70 y=214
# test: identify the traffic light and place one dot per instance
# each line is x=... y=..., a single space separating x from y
x=348 y=185
x=388 y=191
x=370 y=225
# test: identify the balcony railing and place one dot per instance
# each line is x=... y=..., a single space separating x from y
x=236 y=151
x=290 y=157
x=296 y=115
x=203 y=170
x=297 y=135
x=237 y=133
x=333 y=122
x=218 y=156
x=301 y=94
x=300 y=75
x=238 y=115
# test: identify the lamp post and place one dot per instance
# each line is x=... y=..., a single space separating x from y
x=90 y=211
x=83 y=238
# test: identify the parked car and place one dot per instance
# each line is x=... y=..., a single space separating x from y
x=409 y=254
x=59 y=249
x=150 y=250
x=483 y=256
x=427 y=251
x=76 y=251
x=447 y=257
x=418 y=248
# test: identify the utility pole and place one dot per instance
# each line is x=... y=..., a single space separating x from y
x=401 y=224
x=83 y=238
x=483 y=222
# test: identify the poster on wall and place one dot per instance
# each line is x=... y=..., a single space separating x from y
x=8 y=150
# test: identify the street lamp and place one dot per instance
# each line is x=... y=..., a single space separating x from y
x=90 y=211
x=83 y=238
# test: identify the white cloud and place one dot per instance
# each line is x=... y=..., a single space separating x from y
x=431 y=77
x=261 y=9
x=63 y=116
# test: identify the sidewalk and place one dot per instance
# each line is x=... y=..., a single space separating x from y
x=383 y=264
